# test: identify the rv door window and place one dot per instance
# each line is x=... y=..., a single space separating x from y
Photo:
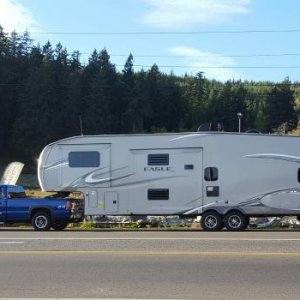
x=211 y=174
x=84 y=159
x=158 y=159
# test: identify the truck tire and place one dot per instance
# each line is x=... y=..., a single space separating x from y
x=236 y=221
x=211 y=221
x=59 y=225
x=41 y=221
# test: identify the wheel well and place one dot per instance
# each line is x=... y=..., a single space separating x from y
x=35 y=210
x=234 y=210
x=211 y=211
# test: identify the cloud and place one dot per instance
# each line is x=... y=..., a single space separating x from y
x=15 y=16
x=178 y=13
x=214 y=66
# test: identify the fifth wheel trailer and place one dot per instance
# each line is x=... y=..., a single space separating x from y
x=224 y=177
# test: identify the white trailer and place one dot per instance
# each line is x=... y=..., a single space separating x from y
x=224 y=177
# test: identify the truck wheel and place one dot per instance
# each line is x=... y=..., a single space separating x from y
x=236 y=221
x=41 y=221
x=211 y=221
x=59 y=225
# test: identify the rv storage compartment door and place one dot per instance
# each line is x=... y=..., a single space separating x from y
x=93 y=199
x=87 y=165
x=111 y=202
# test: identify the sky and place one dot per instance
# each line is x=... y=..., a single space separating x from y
x=226 y=39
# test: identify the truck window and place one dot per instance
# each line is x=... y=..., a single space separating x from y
x=15 y=192
x=84 y=159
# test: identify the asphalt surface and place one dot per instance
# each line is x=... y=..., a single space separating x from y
x=150 y=265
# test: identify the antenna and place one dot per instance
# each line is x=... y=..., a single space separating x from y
x=80 y=124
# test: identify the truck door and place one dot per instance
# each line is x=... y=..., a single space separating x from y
x=2 y=205
x=86 y=165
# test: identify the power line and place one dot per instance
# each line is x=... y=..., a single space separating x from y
x=167 y=32
x=247 y=84
x=219 y=67
x=202 y=56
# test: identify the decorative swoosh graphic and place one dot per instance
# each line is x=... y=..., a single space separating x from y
x=263 y=200
x=275 y=156
x=100 y=176
x=269 y=199
x=259 y=197
x=189 y=136
x=56 y=164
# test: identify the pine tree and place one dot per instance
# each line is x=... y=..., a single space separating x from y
x=102 y=95
x=129 y=112
x=225 y=106
x=280 y=107
x=196 y=100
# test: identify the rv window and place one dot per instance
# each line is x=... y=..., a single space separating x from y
x=211 y=174
x=299 y=175
x=158 y=194
x=84 y=159
x=158 y=159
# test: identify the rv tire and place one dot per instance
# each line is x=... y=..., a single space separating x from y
x=236 y=221
x=211 y=221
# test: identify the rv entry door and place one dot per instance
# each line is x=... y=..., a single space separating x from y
x=86 y=165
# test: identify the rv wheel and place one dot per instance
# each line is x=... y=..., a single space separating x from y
x=236 y=221
x=211 y=221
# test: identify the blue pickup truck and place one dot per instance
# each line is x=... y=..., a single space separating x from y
x=42 y=213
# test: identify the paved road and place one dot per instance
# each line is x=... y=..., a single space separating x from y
x=150 y=265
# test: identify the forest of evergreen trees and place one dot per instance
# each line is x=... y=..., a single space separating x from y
x=46 y=92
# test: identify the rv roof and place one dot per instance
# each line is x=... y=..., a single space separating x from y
x=174 y=134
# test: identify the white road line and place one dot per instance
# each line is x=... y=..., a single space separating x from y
x=10 y=242
x=83 y=299
x=148 y=239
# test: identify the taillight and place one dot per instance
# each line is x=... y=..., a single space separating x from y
x=69 y=205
